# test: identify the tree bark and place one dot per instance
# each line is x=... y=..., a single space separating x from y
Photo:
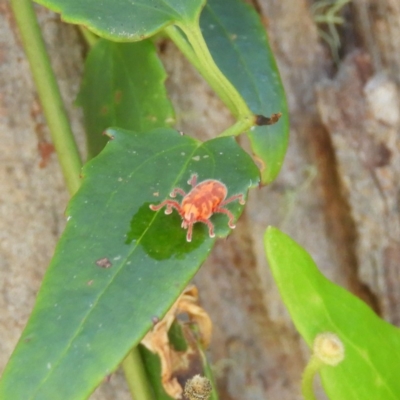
x=337 y=194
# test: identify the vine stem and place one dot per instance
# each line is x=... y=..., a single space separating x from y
x=196 y=50
x=65 y=145
x=49 y=92
x=242 y=125
x=136 y=377
x=313 y=366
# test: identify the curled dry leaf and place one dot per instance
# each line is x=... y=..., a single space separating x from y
x=173 y=362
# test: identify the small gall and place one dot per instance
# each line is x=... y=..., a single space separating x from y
x=328 y=348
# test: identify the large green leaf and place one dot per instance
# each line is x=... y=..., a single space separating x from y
x=125 y=20
x=372 y=346
x=118 y=264
x=123 y=86
x=239 y=45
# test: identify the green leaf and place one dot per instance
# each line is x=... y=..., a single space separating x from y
x=152 y=364
x=123 y=86
x=239 y=45
x=316 y=305
x=125 y=20
x=118 y=264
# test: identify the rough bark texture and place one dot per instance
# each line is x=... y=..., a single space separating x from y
x=337 y=194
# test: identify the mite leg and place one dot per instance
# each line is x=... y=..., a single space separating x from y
x=179 y=191
x=239 y=197
x=189 y=232
x=210 y=226
x=170 y=205
x=231 y=222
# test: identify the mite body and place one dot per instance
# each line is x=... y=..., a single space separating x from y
x=203 y=200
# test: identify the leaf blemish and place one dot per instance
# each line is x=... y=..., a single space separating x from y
x=196 y=158
x=103 y=262
x=118 y=96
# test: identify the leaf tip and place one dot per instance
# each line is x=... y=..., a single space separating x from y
x=109 y=133
x=271 y=232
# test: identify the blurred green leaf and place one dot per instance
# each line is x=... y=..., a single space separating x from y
x=118 y=264
x=239 y=45
x=125 y=20
x=372 y=346
x=123 y=86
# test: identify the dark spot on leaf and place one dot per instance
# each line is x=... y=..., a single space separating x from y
x=90 y=282
x=104 y=110
x=155 y=320
x=118 y=96
x=104 y=263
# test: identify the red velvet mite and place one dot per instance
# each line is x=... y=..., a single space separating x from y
x=203 y=200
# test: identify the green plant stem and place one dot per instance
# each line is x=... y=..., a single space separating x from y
x=49 y=92
x=183 y=45
x=197 y=52
x=313 y=366
x=213 y=74
x=136 y=377
x=242 y=125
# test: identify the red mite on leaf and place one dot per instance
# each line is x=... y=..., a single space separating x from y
x=205 y=199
